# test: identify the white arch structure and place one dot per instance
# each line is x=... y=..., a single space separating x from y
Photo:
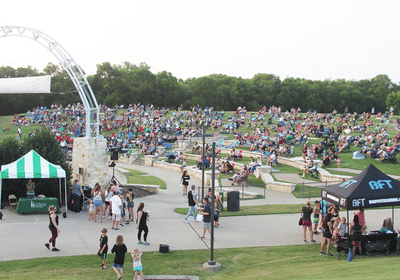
x=73 y=69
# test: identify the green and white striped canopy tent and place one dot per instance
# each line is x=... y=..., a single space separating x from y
x=32 y=166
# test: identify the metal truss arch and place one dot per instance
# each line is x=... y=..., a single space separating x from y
x=73 y=69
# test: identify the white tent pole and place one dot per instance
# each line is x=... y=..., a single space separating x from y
x=59 y=183
x=1 y=190
x=65 y=183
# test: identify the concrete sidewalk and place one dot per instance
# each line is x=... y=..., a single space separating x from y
x=23 y=236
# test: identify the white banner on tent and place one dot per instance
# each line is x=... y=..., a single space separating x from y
x=38 y=84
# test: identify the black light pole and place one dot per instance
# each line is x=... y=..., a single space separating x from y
x=212 y=261
x=202 y=166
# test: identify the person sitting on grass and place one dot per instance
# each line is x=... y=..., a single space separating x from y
x=232 y=155
x=240 y=176
x=196 y=148
x=223 y=169
x=310 y=168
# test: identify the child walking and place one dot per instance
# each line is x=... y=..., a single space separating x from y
x=119 y=249
x=103 y=248
x=217 y=209
x=338 y=161
x=123 y=220
x=137 y=262
x=91 y=210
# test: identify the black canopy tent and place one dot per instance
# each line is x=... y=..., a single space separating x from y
x=371 y=188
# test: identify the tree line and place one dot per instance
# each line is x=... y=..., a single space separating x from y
x=45 y=144
x=129 y=83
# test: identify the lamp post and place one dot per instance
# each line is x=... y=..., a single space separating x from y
x=212 y=264
x=202 y=164
x=212 y=261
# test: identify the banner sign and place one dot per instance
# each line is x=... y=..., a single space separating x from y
x=37 y=84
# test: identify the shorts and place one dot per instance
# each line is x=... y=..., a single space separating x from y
x=357 y=237
x=107 y=203
x=91 y=212
x=139 y=268
x=97 y=203
x=103 y=255
x=117 y=265
x=207 y=226
x=306 y=223
x=130 y=204
x=316 y=219
x=327 y=234
x=216 y=218
x=116 y=217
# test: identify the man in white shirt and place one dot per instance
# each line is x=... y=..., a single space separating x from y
x=116 y=210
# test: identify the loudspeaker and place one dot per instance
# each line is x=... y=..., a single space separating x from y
x=164 y=248
x=114 y=155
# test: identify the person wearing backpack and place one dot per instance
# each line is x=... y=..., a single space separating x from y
x=192 y=201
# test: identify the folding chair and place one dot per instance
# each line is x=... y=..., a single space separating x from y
x=12 y=201
x=343 y=247
x=381 y=246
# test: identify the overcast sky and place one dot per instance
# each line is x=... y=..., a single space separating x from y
x=315 y=40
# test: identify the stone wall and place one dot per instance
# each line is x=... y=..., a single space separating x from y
x=150 y=188
x=277 y=186
x=90 y=160
x=196 y=173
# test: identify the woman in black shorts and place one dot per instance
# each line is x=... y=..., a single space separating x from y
x=327 y=235
x=357 y=228
x=185 y=181
x=129 y=198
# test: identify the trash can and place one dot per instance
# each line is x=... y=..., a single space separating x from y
x=221 y=194
x=232 y=199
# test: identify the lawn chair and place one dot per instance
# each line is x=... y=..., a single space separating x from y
x=12 y=201
x=391 y=158
x=343 y=246
x=243 y=180
x=380 y=246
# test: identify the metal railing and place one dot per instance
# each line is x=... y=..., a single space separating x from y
x=309 y=185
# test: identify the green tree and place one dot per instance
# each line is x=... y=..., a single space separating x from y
x=7 y=72
x=45 y=144
x=166 y=88
x=379 y=90
x=266 y=89
x=393 y=99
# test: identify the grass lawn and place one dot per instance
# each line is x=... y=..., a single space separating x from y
x=280 y=262
x=300 y=193
x=338 y=172
x=138 y=177
x=6 y=121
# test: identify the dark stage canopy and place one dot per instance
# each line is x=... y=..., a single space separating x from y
x=370 y=188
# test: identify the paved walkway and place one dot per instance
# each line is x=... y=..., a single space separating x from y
x=23 y=236
x=297 y=179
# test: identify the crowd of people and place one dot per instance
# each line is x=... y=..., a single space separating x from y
x=109 y=203
x=147 y=127
x=325 y=218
